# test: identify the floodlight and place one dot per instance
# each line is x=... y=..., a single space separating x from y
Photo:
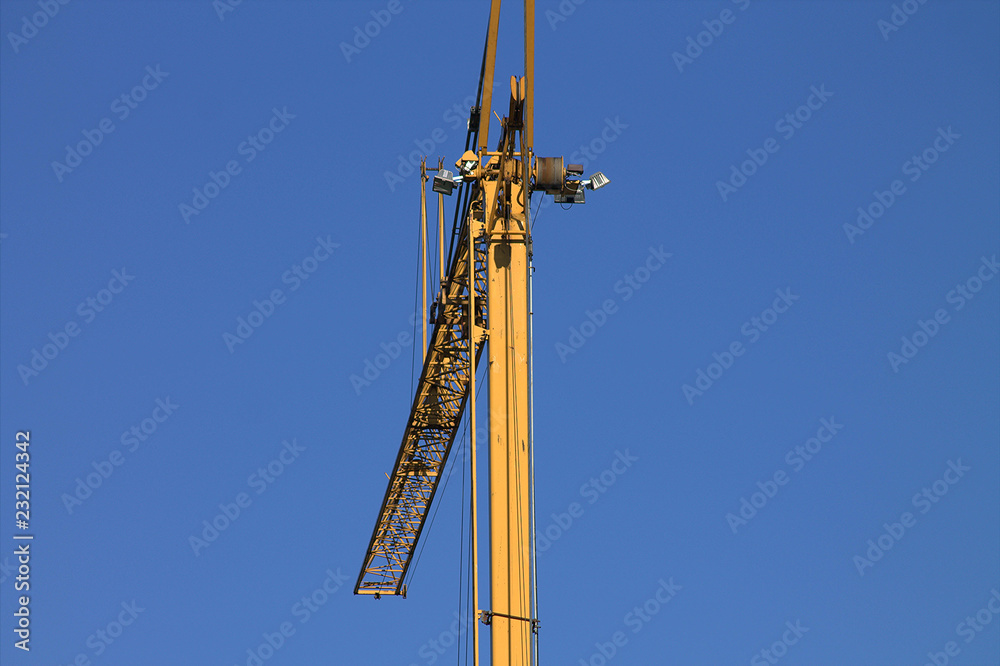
x=467 y=163
x=596 y=182
x=444 y=182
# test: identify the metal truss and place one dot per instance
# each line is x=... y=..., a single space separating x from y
x=434 y=419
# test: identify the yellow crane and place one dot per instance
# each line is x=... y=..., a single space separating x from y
x=483 y=304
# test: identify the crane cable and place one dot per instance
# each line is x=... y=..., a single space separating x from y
x=462 y=549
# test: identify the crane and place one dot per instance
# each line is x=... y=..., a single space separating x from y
x=482 y=307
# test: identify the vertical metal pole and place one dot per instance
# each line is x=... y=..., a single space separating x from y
x=528 y=137
x=472 y=443
x=531 y=451
x=510 y=560
x=441 y=235
x=529 y=77
x=423 y=263
x=528 y=133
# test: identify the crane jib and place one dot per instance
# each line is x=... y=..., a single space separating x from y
x=434 y=419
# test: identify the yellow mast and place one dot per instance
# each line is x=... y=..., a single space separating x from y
x=505 y=185
x=510 y=483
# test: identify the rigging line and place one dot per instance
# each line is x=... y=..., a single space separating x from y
x=470 y=615
x=531 y=454
x=470 y=611
x=468 y=570
x=538 y=210
x=532 y=645
x=416 y=301
x=461 y=559
x=469 y=573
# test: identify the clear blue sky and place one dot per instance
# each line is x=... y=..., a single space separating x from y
x=740 y=138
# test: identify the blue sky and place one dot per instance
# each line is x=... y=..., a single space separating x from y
x=777 y=427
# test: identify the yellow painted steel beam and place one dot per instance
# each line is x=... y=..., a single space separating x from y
x=440 y=231
x=475 y=229
x=508 y=238
x=529 y=79
x=423 y=261
x=490 y=65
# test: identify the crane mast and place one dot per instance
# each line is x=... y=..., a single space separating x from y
x=483 y=305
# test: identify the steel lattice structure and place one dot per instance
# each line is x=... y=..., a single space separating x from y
x=434 y=419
